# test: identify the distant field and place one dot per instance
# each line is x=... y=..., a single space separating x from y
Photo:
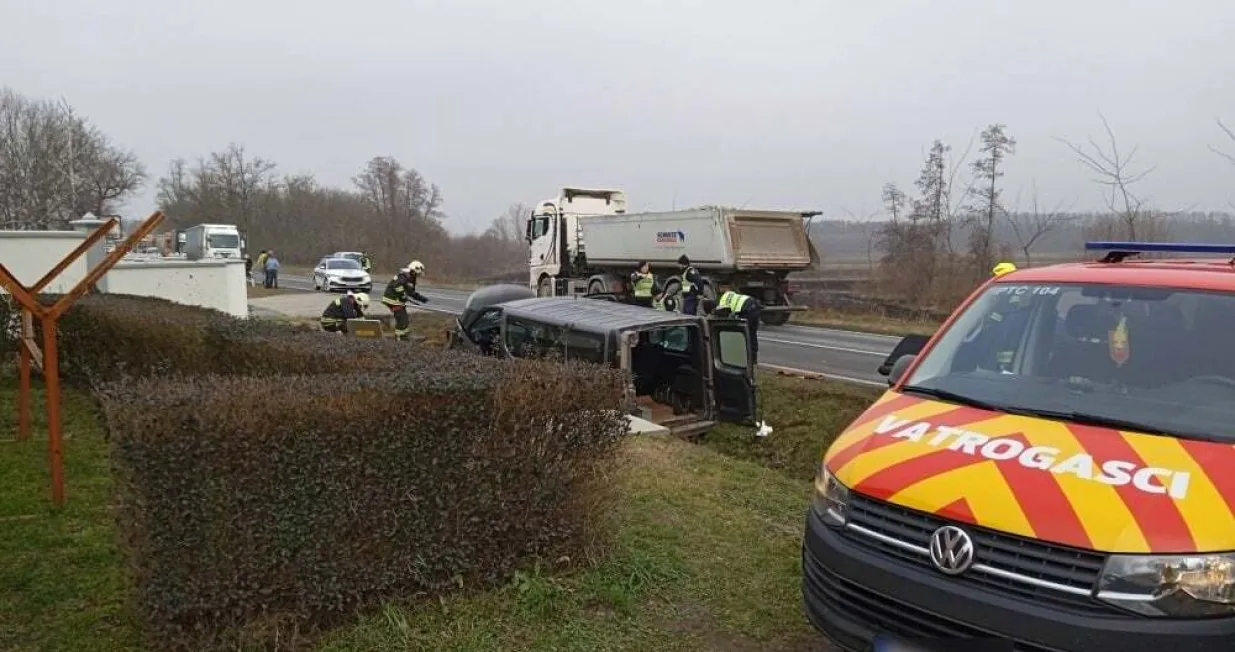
x=854 y=266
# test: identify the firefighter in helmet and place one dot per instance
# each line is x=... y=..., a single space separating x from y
x=337 y=312
x=398 y=291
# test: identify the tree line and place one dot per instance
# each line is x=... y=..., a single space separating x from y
x=937 y=243
x=390 y=211
x=939 y=238
x=55 y=166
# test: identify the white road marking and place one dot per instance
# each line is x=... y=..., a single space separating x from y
x=823 y=346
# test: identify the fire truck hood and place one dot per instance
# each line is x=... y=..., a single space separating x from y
x=1077 y=485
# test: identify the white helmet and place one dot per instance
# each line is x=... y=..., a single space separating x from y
x=362 y=299
x=416 y=267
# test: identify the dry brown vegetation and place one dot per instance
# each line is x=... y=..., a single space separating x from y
x=391 y=211
x=937 y=246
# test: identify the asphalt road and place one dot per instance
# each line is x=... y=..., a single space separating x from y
x=842 y=355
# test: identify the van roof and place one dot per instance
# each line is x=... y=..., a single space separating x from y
x=593 y=315
x=1216 y=274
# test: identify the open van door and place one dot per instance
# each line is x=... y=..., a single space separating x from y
x=733 y=370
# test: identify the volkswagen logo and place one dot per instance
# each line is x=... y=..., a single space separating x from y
x=951 y=550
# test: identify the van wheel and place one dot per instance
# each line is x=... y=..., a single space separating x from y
x=774 y=318
x=545 y=287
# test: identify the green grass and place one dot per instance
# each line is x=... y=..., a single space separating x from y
x=61 y=586
x=864 y=322
x=705 y=554
x=706 y=558
x=805 y=415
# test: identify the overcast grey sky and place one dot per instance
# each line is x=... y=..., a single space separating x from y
x=809 y=104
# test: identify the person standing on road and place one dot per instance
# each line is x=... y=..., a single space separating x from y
x=744 y=307
x=248 y=269
x=401 y=288
x=349 y=306
x=260 y=263
x=272 y=270
x=366 y=263
x=692 y=286
x=643 y=283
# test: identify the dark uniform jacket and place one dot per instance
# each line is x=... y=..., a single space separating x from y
x=400 y=288
x=342 y=309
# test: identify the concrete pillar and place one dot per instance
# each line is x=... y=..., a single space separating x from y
x=95 y=255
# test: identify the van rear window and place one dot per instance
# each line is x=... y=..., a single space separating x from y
x=1158 y=358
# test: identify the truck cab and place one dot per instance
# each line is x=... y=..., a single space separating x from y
x=687 y=372
x=214 y=241
x=553 y=237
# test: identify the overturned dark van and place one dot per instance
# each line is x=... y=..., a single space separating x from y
x=687 y=372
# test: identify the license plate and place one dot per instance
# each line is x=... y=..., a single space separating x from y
x=890 y=643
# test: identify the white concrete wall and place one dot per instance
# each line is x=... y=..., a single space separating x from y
x=220 y=285
x=31 y=254
x=210 y=284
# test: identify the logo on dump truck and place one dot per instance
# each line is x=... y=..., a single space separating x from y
x=670 y=237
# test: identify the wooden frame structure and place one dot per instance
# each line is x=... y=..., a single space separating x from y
x=46 y=359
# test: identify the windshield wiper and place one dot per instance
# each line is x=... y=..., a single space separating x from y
x=1091 y=419
x=952 y=397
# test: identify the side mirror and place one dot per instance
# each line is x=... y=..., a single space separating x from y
x=909 y=345
x=899 y=368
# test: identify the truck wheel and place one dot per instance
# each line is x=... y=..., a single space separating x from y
x=596 y=287
x=774 y=318
x=545 y=287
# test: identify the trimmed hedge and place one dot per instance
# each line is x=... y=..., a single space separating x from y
x=269 y=474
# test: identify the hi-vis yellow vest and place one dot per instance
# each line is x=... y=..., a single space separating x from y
x=644 y=283
x=733 y=301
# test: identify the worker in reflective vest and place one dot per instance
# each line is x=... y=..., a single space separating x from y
x=643 y=284
x=692 y=286
x=398 y=291
x=349 y=306
x=745 y=307
x=662 y=302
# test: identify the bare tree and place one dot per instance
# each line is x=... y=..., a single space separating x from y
x=510 y=225
x=392 y=213
x=54 y=165
x=1230 y=136
x=894 y=201
x=982 y=216
x=1030 y=227
x=1116 y=174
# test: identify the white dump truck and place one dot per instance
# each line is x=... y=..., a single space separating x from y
x=213 y=241
x=584 y=242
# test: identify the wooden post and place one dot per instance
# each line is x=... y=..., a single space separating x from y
x=51 y=378
x=48 y=358
x=74 y=255
x=23 y=368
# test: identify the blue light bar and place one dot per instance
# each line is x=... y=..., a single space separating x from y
x=1172 y=247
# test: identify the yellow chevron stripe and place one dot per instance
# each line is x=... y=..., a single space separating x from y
x=1206 y=514
x=994 y=506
